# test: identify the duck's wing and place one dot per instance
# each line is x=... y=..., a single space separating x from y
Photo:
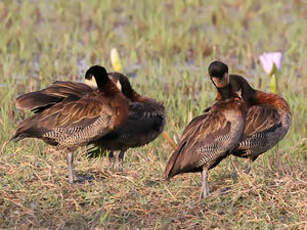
x=146 y=113
x=261 y=130
x=142 y=124
x=72 y=122
x=205 y=142
x=40 y=100
x=261 y=118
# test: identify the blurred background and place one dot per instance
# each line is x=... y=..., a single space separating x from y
x=165 y=48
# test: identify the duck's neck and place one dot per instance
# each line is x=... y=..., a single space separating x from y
x=224 y=93
x=109 y=88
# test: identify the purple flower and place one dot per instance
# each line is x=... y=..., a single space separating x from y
x=269 y=59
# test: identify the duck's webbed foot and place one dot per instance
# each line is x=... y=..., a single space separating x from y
x=72 y=176
x=80 y=179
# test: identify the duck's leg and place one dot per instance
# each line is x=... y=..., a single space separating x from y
x=72 y=177
x=71 y=170
x=205 y=187
x=121 y=160
x=276 y=158
x=111 y=160
x=234 y=163
x=248 y=166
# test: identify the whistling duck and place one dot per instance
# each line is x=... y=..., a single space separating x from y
x=210 y=137
x=75 y=121
x=267 y=122
x=145 y=122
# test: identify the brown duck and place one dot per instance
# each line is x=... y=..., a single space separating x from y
x=74 y=121
x=210 y=137
x=144 y=123
x=268 y=120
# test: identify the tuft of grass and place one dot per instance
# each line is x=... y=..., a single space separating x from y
x=165 y=48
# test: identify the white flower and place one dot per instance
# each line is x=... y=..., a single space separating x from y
x=269 y=59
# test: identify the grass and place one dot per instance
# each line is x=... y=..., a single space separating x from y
x=165 y=48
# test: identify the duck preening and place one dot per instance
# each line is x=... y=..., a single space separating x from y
x=145 y=119
x=267 y=122
x=69 y=120
x=145 y=122
x=210 y=137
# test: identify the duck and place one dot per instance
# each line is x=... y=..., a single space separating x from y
x=74 y=120
x=145 y=120
x=267 y=122
x=210 y=137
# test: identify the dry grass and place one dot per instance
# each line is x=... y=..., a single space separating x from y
x=35 y=193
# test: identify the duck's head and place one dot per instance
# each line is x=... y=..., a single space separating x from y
x=229 y=85
x=218 y=72
x=123 y=84
x=241 y=86
x=96 y=76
